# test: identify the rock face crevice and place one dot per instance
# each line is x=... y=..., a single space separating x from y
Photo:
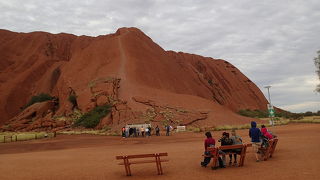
x=152 y=82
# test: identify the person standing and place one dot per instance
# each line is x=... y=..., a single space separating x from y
x=135 y=132
x=255 y=134
x=147 y=132
x=123 y=130
x=157 y=131
x=142 y=131
x=127 y=131
x=167 y=130
x=208 y=142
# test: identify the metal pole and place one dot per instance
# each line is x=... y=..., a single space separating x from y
x=269 y=95
x=271 y=119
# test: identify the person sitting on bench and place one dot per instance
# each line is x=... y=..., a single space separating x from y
x=265 y=132
x=236 y=139
x=209 y=142
x=225 y=141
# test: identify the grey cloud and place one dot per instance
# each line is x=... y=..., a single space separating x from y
x=269 y=41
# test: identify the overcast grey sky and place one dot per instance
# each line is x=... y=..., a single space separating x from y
x=273 y=42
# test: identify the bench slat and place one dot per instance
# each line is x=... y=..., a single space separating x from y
x=239 y=146
x=155 y=159
x=144 y=161
x=141 y=155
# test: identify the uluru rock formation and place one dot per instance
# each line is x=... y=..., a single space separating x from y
x=140 y=80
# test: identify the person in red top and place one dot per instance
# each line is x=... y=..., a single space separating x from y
x=265 y=132
x=209 y=142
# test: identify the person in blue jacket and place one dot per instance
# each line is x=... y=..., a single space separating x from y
x=255 y=134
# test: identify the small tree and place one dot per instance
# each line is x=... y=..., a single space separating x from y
x=317 y=64
x=38 y=98
x=73 y=100
x=308 y=113
x=92 y=118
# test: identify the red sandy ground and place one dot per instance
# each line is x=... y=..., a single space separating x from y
x=297 y=156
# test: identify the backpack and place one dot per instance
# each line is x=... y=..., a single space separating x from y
x=265 y=142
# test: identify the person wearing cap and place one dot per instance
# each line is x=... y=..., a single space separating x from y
x=225 y=141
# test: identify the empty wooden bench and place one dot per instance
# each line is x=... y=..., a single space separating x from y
x=146 y=158
x=215 y=153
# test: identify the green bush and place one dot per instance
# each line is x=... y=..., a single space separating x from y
x=92 y=118
x=25 y=137
x=38 y=98
x=253 y=113
x=2 y=137
x=40 y=135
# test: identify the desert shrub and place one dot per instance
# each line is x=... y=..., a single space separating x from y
x=25 y=137
x=306 y=120
x=194 y=129
x=296 y=116
x=2 y=138
x=253 y=113
x=106 y=128
x=38 y=98
x=308 y=113
x=92 y=118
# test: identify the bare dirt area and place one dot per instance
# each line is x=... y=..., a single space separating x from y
x=93 y=157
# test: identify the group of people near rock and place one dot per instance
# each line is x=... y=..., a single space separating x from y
x=259 y=138
x=143 y=131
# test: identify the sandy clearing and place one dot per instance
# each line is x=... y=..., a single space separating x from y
x=93 y=157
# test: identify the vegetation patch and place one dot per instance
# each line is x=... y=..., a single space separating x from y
x=38 y=98
x=284 y=114
x=102 y=132
x=253 y=113
x=92 y=118
x=194 y=129
x=6 y=137
x=73 y=99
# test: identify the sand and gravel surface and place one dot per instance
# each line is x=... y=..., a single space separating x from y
x=297 y=156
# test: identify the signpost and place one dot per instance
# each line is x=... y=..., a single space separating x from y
x=271 y=114
x=270 y=107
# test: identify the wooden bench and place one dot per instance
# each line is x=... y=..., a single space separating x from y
x=148 y=158
x=215 y=153
x=268 y=152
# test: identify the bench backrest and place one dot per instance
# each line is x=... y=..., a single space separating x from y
x=141 y=156
x=238 y=146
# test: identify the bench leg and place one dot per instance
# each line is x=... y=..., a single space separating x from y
x=127 y=166
x=273 y=148
x=129 y=170
x=214 y=159
x=269 y=149
x=160 y=167
x=243 y=156
x=157 y=163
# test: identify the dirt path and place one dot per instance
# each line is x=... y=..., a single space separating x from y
x=124 y=83
x=93 y=157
